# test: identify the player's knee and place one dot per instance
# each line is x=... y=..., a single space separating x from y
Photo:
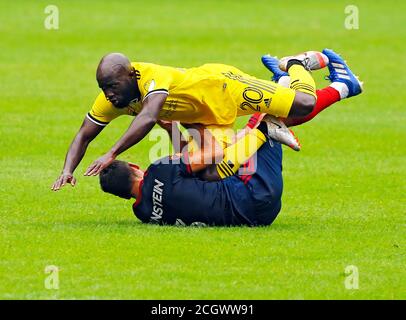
x=271 y=214
x=303 y=105
x=275 y=192
x=307 y=104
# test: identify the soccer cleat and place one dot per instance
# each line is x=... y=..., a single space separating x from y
x=340 y=72
x=278 y=131
x=272 y=64
x=311 y=60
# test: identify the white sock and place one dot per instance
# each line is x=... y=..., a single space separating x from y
x=284 y=81
x=341 y=88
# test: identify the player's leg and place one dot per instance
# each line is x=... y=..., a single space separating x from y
x=257 y=95
x=301 y=81
x=236 y=151
x=325 y=98
x=344 y=84
x=247 y=144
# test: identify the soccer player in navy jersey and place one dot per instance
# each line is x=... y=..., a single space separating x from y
x=171 y=191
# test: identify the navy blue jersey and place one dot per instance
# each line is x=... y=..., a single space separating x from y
x=170 y=194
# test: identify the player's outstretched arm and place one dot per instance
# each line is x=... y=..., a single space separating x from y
x=87 y=132
x=138 y=129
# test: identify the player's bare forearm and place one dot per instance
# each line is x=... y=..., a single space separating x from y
x=87 y=132
x=75 y=153
x=77 y=149
x=138 y=129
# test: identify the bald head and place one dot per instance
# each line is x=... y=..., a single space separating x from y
x=112 y=64
x=116 y=77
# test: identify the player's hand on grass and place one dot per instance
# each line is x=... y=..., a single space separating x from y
x=98 y=165
x=63 y=179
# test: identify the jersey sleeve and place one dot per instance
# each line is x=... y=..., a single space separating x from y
x=155 y=79
x=103 y=111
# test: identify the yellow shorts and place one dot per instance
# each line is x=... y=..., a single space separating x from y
x=252 y=95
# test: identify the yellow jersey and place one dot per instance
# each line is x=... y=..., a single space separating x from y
x=195 y=95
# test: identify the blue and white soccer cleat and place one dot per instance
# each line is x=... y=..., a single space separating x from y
x=272 y=64
x=340 y=72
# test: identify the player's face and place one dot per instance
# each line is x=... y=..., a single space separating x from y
x=120 y=90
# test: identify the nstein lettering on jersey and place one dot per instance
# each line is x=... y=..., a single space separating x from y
x=157 y=207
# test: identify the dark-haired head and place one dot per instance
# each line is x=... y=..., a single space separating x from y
x=118 y=179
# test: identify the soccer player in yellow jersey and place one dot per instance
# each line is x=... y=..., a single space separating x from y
x=212 y=95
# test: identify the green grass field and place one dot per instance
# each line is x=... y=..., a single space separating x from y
x=344 y=194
